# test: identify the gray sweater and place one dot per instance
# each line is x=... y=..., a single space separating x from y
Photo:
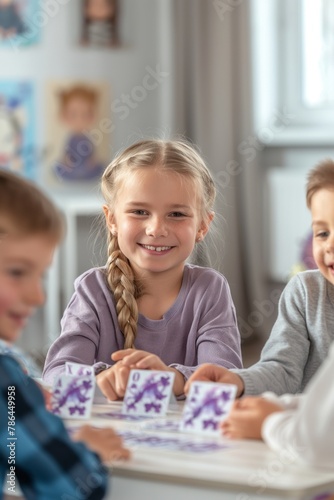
x=300 y=339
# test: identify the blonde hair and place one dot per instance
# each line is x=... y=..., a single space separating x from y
x=168 y=156
x=320 y=177
x=25 y=210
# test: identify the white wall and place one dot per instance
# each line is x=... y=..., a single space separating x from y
x=59 y=56
x=140 y=83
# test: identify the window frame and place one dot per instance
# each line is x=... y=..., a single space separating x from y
x=276 y=61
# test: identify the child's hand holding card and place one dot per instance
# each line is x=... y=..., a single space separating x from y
x=207 y=405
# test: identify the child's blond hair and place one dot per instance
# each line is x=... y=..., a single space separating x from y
x=320 y=177
x=169 y=156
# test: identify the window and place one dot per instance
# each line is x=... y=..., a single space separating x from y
x=293 y=68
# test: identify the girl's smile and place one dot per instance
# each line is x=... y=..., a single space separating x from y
x=155 y=250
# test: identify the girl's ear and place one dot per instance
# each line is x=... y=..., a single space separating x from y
x=204 y=227
x=110 y=219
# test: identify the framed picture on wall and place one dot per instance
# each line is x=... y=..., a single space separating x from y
x=78 y=137
x=19 y=23
x=17 y=131
x=100 y=23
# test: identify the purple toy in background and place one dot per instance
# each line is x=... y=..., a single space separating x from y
x=307 y=253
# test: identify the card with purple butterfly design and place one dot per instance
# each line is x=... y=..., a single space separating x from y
x=72 y=368
x=72 y=396
x=207 y=405
x=148 y=393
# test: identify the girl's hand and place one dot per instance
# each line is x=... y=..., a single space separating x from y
x=104 y=442
x=143 y=360
x=247 y=416
x=113 y=381
x=214 y=373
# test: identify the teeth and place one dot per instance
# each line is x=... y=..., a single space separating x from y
x=156 y=249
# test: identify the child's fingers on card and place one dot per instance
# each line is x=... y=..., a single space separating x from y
x=151 y=361
x=106 y=382
x=134 y=357
x=121 y=379
x=121 y=354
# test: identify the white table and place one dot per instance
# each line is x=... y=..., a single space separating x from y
x=245 y=470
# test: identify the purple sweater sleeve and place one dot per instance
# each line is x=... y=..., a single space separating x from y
x=89 y=327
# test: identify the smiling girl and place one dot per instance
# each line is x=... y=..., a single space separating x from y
x=148 y=308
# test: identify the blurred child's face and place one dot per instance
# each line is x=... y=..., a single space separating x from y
x=322 y=210
x=100 y=10
x=156 y=220
x=23 y=262
x=78 y=114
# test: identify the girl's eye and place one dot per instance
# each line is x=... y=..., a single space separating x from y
x=177 y=214
x=140 y=212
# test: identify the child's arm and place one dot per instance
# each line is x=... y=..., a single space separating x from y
x=44 y=452
x=295 y=348
x=90 y=330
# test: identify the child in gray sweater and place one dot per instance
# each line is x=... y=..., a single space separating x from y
x=304 y=329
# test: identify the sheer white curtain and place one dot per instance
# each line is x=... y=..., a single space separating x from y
x=206 y=94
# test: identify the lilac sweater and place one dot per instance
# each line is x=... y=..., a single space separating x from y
x=200 y=327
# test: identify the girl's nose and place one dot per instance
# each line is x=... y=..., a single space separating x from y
x=156 y=227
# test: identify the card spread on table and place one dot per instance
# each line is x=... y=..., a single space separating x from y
x=207 y=405
x=72 y=396
x=165 y=425
x=135 y=439
x=148 y=392
x=78 y=369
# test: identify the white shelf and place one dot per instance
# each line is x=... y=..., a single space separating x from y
x=73 y=207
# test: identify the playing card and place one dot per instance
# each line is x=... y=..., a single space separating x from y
x=148 y=392
x=207 y=404
x=72 y=396
x=78 y=369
